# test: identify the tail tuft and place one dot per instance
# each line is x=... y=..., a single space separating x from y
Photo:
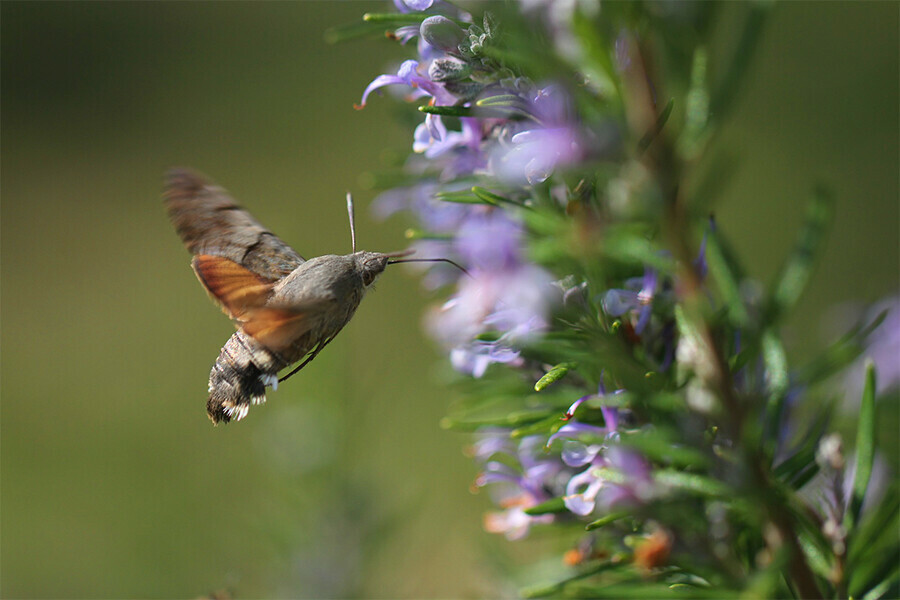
x=236 y=381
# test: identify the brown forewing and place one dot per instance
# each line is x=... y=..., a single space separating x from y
x=237 y=289
x=210 y=222
x=245 y=297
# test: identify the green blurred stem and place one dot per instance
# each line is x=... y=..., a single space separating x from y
x=660 y=158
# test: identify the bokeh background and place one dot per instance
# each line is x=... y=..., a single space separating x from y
x=114 y=484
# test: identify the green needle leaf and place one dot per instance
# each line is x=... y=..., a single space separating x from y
x=604 y=520
x=553 y=505
x=490 y=197
x=865 y=448
x=796 y=271
x=553 y=375
x=500 y=100
x=446 y=111
x=394 y=18
x=692 y=482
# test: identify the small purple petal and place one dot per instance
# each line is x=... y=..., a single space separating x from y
x=570 y=412
x=574 y=429
x=490 y=443
x=617 y=302
x=610 y=417
x=406 y=6
x=643 y=319
x=581 y=492
x=577 y=454
x=406 y=33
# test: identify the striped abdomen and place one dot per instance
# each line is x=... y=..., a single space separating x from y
x=239 y=377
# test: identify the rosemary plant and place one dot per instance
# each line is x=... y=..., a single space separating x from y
x=623 y=388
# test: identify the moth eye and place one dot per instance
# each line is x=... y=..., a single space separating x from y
x=368 y=277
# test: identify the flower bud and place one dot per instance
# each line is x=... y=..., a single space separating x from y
x=442 y=33
x=447 y=69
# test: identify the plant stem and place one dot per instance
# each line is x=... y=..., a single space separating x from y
x=641 y=105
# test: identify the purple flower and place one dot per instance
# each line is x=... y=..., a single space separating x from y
x=476 y=358
x=490 y=441
x=436 y=216
x=516 y=301
x=503 y=293
x=576 y=453
x=535 y=152
x=610 y=414
x=434 y=140
x=638 y=484
x=883 y=348
x=582 y=490
x=490 y=242
x=408 y=74
x=406 y=33
x=589 y=490
x=406 y=6
x=517 y=490
x=636 y=298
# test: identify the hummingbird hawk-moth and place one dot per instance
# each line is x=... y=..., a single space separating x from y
x=285 y=308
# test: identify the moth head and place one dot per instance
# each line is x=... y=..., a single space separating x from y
x=370 y=265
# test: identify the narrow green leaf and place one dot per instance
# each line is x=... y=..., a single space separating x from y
x=500 y=100
x=815 y=545
x=513 y=419
x=545 y=426
x=777 y=380
x=490 y=197
x=796 y=271
x=727 y=90
x=553 y=589
x=553 y=375
x=880 y=566
x=598 y=64
x=692 y=482
x=726 y=280
x=447 y=111
x=554 y=505
x=395 y=18
x=605 y=520
x=418 y=234
x=696 y=108
x=817 y=558
x=865 y=448
x=661 y=120
x=801 y=466
x=839 y=354
x=776 y=363
x=488 y=336
x=663 y=449
x=462 y=197
x=882 y=588
x=872 y=547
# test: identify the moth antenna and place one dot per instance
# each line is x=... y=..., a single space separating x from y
x=352 y=221
x=446 y=260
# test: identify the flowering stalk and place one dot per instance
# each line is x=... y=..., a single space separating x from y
x=615 y=374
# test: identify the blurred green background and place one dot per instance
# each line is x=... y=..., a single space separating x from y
x=113 y=482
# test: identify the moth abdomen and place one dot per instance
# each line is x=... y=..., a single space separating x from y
x=239 y=378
